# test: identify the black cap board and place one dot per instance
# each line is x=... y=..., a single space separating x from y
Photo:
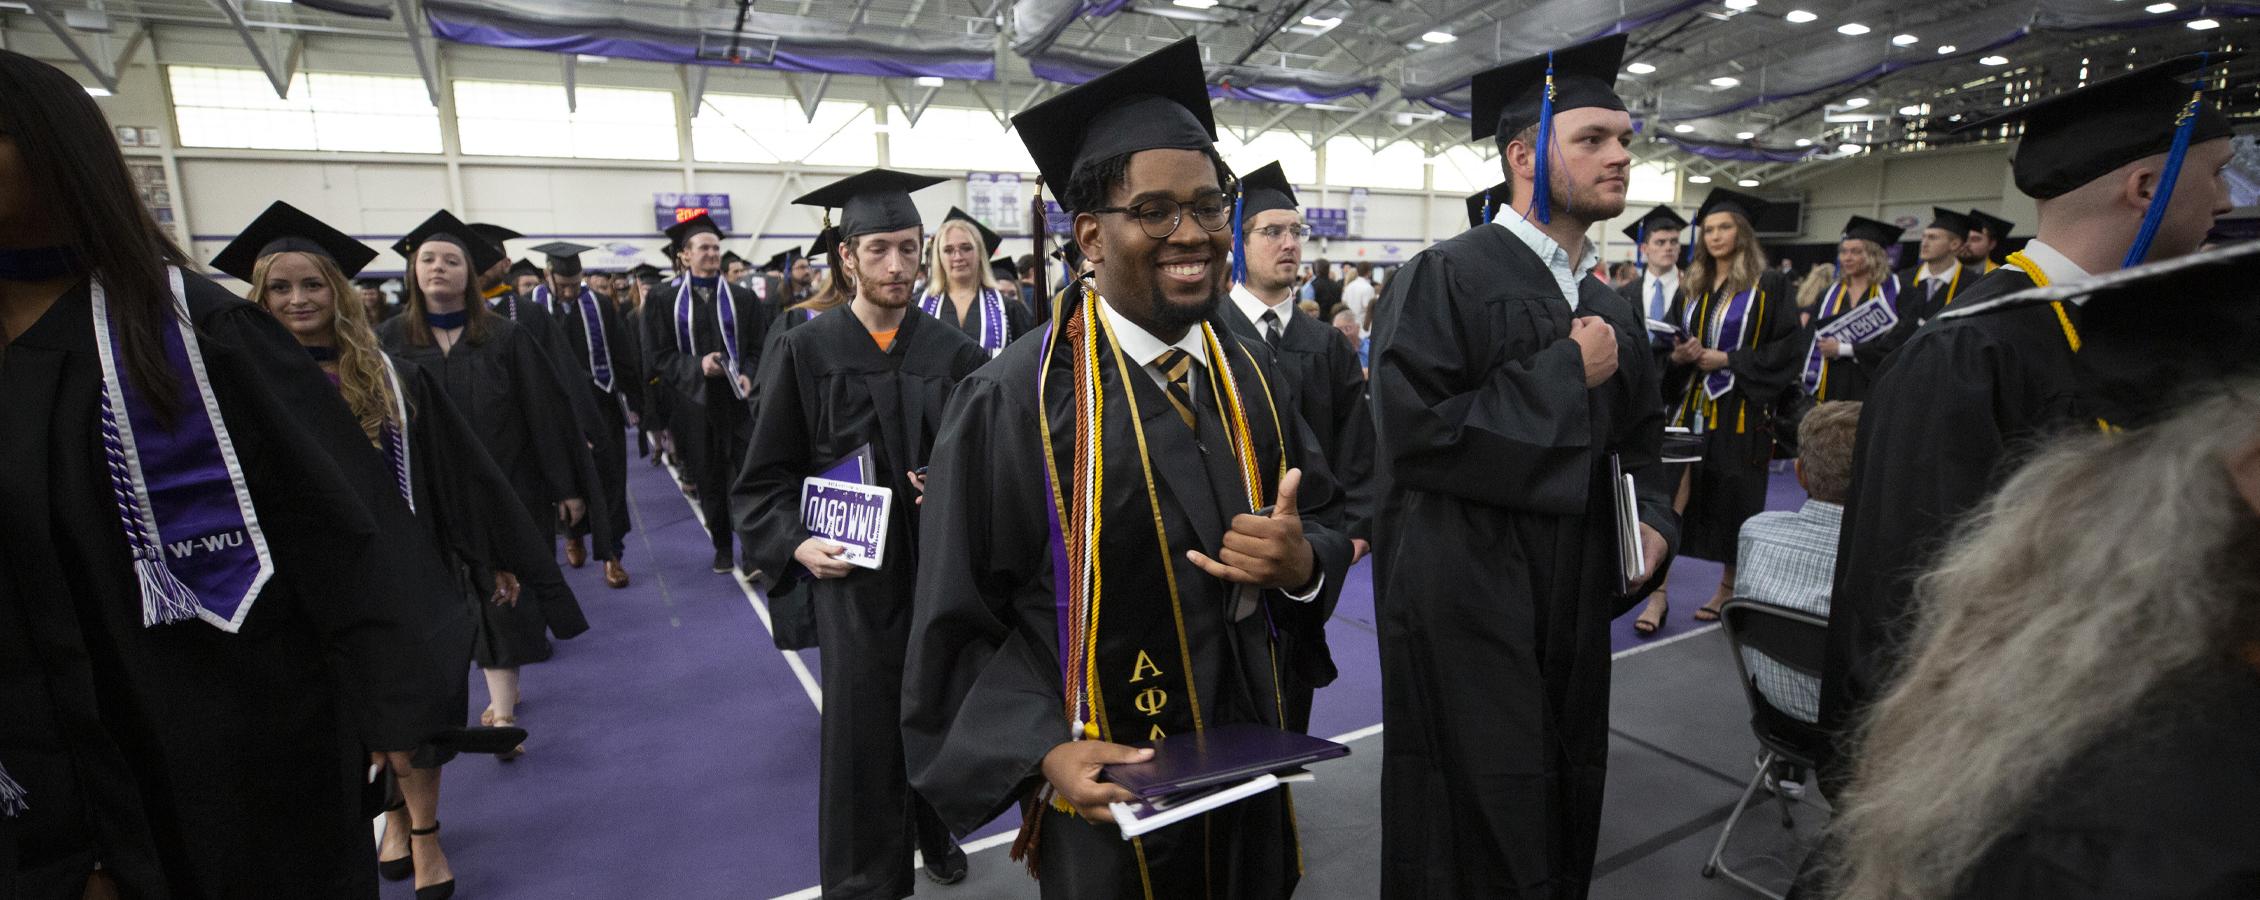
x=731 y=256
x=1993 y=224
x=1723 y=200
x=1950 y=221
x=680 y=233
x=1662 y=218
x=990 y=240
x=1005 y=269
x=523 y=268
x=1158 y=101
x=2082 y=134
x=1265 y=189
x=1485 y=204
x=827 y=241
x=2152 y=333
x=564 y=256
x=444 y=226
x=495 y=233
x=1881 y=234
x=285 y=228
x=1507 y=99
x=871 y=201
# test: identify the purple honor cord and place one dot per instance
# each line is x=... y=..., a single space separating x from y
x=11 y=796
x=197 y=546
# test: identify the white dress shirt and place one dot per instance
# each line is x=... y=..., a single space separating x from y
x=2054 y=264
x=1566 y=271
x=1253 y=307
x=1648 y=297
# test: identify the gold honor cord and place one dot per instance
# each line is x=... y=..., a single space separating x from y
x=2064 y=318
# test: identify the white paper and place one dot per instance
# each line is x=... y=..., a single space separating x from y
x=1138 y=817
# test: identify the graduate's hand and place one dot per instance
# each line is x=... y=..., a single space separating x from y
x=1265 y=551
x=711 y=365
x=1652 y=550
x=821 y=558
x=1073 y=770
x=570 y=510
x=505 y=589
x=1828 y=348
x=1685 y=350
x=1597 y=342
x=1711 y=360
x=1360 y=548
x=918 y=481
x=745 y=385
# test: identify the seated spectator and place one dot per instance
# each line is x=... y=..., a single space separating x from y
x=2081 y=710
x=1308 y=308
x=1789 y=558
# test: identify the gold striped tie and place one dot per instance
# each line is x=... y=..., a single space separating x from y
x=1177 y=366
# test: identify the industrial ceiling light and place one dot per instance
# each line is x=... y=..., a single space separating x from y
x=929 y=81
x=1433 y=37
x=1912 y=109
x=1195 y=4
x=1698 y=179
x=1855 y=103
x=1994 y=60
x=1849 y=148
x=1683 y=128
x=1804 y=142
x=1740 y=5
x=1316 y=22
x=1944 y=49
x=1639 y=68
x=1747 y=182
x=2203 y=24
x=1744 y=135
x=1854 y=29
x=1799 y=17
x=2156 y=8
x=1725 y=81
x=98 y=92
x=1905 y=40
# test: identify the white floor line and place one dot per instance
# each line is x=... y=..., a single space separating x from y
x=1643 y=648
x=760 y=609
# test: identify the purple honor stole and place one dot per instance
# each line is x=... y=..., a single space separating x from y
x=198 y=550
x=992 y=319
x=726 y=321
x=1832 y=305
x=507 y=306
x=592 y=321
x=1728 y=328
x=394 y=437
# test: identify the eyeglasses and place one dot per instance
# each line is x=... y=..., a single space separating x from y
x=1275 y=232
x=1159 y=218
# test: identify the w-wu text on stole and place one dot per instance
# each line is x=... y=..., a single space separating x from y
x=851 y=515
x=209 y=543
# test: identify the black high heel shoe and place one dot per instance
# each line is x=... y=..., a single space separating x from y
x=442 y=890
x=1641 y=626
x=403 y=868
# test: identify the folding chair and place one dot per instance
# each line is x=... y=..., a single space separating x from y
x=1799 y=641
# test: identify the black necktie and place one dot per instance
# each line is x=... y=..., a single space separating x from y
x=1177 y=366
x=1271 y=328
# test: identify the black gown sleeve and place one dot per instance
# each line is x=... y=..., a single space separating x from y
x=627 y=356
x=480 y=517
x=765 y=499
x=556 y=443
x=1516 y=435
x=1352 y=433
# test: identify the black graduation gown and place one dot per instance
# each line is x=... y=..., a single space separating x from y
x=571 y=373
x=1495 y=566
x=1956 y=411
x=982 y=698
x=504 y=387
x=189 y=762
x=1320 y=373
x=472 y=516
x=711 y=424
x=829 y=389
x=610 y=450
x=1852 y=379
x=1730 y=482
x=2163 y=808
x=1956 y=293
x=972 y=323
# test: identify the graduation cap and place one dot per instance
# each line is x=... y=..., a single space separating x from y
x=444 y=226
x=1262 y=190
x=679 y=234
x=1158 y=101
x=1483 y=205
x=284 y=228
x=1005 y=269
x=1994 y=225
x=564 y=256
x=990 y=240
x=731 y=256
x=1515 y=96
x=2153 y=332
x=523 y=268
x=646 y=273
x=1881 y=234
x=827 y=241
x=1723 y=200
x=2082 y=134
x=1662 y=218
x=1950 y=221
x=871 y=201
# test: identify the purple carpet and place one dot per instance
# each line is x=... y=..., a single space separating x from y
x=674 y=748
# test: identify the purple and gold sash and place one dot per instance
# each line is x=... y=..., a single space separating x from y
x=1832 y=306
x=198 y=550
x=992 y=319
x=1728 y=328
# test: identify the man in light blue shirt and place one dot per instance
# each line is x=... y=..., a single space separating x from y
x=1789 y=558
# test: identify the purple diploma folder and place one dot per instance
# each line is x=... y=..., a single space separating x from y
x=1218 y=756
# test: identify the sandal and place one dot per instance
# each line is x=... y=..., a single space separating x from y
x=442 y=890
x=1661 y=603
x=512 y=753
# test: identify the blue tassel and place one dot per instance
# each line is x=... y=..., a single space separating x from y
x=1239 y=237
x=1489 y=212
x=1539 y=205
x=2152 y=217
x=11 y=796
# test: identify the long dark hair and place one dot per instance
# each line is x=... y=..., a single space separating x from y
x=476 y=312
x=74 y=174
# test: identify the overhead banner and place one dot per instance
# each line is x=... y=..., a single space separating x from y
x=1327 y=222
x=668 y=209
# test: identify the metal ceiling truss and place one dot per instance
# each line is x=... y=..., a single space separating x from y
x=420 y=46
x=99 y=62
x=277 y=74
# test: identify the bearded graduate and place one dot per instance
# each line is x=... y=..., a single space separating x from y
x=1140 y=438
x=873 y=374
x=1321 y=371
x=297 y=267
x=506 y=389
x=591 y=329
x=1840 y=369
x=1970 y=395
x=964 y=293
x=1508 y=387
x=702 y=338
x=208 y=618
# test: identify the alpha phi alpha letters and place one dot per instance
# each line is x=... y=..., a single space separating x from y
x=1152 y=699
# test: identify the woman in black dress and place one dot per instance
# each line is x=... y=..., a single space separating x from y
x=204 y=617
x=504 y=387
x=1738 y=357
